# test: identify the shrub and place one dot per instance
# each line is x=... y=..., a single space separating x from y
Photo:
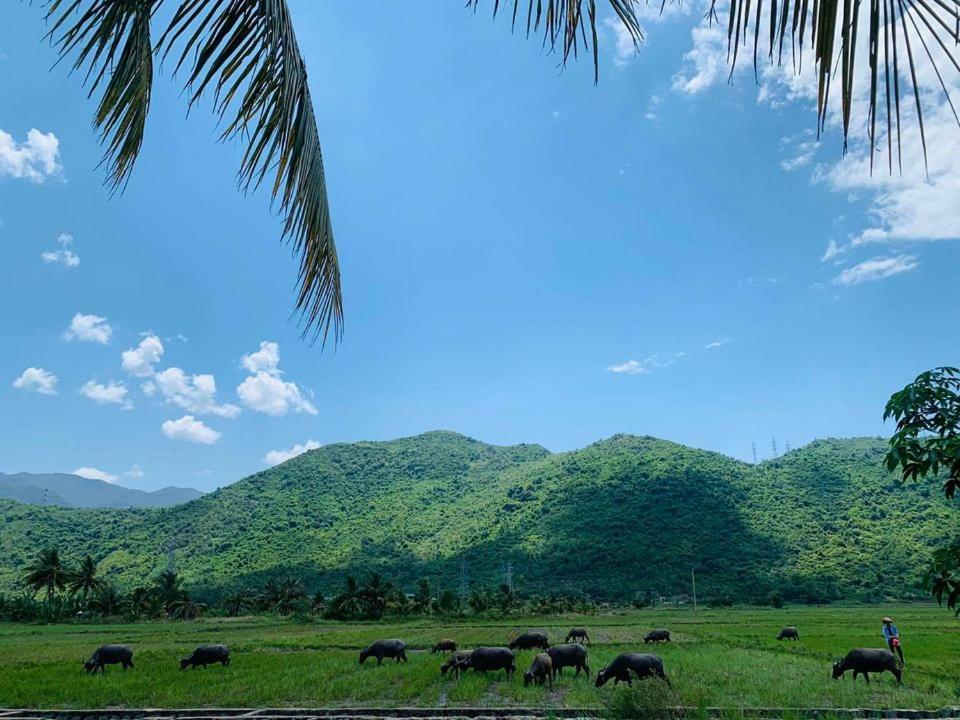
x=644 y=700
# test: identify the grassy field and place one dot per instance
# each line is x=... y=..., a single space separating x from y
x=727 y=658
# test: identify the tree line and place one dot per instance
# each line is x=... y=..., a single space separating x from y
x=55 y=590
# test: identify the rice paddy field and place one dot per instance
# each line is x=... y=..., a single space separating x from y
x=719 y=658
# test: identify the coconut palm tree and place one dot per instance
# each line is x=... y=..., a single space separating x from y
x=239 y=601
x=168 y=589
x=376 y=594
x=244 y=54
x=85 y=580
x=47 y=573
x=285 y=596
x=186 y=609
x=107 y=601
x=422 y=600
x=349 y=603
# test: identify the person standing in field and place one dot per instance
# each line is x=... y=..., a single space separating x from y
x=892 y=636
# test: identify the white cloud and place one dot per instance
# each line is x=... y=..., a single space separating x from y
x=189 y=429
x=275 y=457
x=38 y=380
x=833 y=251
x=757 y=282
x=89 y=328
x=716 y=344
x=646 y=366
x=266 y=359
x=705 y=63
x=92 y=473
x=193 y=393
x=64 y=256
x=269 y=394
x=914 y=204
x=113 y=393
x=264 y=391
x=135 y=472
x=625 y=49
x=801 y=150
x=36 y=159
x=878 y=268
x=139 y=361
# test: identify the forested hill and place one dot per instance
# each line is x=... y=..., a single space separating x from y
x=622 y=516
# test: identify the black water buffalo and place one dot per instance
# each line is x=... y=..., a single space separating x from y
x=577 y=634
x=569 y=655
x=454 y=662
x=868 y=660
x=541 y=670
x=789 y=633
x=626 y=665
x=655 y=636
x=530 y=640
x=109 y=655
x=485 y=659
x=381 y=649
x=207 y=655
x=445 y=645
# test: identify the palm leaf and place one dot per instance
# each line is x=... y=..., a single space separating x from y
x=562 y=24
x=934 y=24
x=245 y=52
x=111 y=40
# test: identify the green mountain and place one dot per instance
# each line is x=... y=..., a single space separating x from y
x=71 y=490
x=625 y=515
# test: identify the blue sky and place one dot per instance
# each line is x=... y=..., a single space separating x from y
x=526 y=258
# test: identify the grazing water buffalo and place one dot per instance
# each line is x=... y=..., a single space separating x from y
x=207 y=655
x=867 y=660
x=109 y=655
x=530 y=640
x=455 y=662
x=655 y=636
x=571 y=655
x=489 y=658
x=577 y=634
x=444 y=646
x=626 y=665
x=789 y=633
x=381 y=649
x=541 y=670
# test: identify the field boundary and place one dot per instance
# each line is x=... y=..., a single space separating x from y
x=469 y=713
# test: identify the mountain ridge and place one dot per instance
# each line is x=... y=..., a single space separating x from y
x=624 y=515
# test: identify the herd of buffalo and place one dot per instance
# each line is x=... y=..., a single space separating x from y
x=547 y=663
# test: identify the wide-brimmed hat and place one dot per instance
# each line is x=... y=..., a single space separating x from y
x=888 y=619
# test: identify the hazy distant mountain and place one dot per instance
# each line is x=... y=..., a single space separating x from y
x=75 y=491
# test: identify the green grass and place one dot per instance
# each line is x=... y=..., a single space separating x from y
x=727 y=658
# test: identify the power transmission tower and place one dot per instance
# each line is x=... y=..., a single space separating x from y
x=753 y=445
x=786 y=447
x=773 y=446
x=508 y=574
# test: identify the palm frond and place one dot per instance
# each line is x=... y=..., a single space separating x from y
x=111 y=40
x=840 y=20
x=245 y=52
x=563 y=24
x=897 y=29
